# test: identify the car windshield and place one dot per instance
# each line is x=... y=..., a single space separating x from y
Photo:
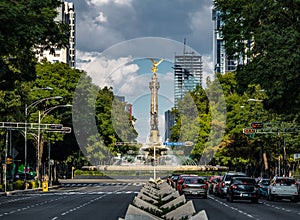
x=194 y=181
x=228 y=177
x=174 y=177
x=285 y=182
x=244 y=181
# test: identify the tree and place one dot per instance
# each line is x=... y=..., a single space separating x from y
x=24 y=25
x=63 y=81
x=264 y=35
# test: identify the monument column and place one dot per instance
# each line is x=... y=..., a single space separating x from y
x=154 y=86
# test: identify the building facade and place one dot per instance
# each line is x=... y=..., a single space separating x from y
x=188 y=69
x=222 y=64
x=66 y=14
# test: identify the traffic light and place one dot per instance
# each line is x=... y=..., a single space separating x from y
x=9 y=160
x=257 y=125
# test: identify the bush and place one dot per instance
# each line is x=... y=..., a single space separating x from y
x=19 y=185
x=87 y=173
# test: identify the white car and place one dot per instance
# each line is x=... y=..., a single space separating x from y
x=283 y=188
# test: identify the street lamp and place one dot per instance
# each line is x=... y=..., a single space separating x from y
x=47 y=111
x=25 y=130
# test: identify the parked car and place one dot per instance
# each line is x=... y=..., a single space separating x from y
x=226 y=180
x=211 y=182
x=283 y=188
x=194 y=186
x=263 y=185
x=180 y=180
x=242 y=188
x=172 y=180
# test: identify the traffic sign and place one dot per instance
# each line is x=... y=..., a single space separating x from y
x=257 y=125
x=188 y=143
x=174 y=143
x=248 y=131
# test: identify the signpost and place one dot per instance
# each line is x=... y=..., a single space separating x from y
x=257 y=125
x=249 y=131
x=187 y=143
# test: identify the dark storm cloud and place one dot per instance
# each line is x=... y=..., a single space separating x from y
x=103 y=23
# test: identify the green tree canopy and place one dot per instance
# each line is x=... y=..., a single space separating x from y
x=23 y=25
x=264 y=35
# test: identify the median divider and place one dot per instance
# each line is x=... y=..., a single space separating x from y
x=158 y=200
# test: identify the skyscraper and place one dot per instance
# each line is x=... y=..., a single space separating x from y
x=66 y=14
x=222 y=63
x=187 y=74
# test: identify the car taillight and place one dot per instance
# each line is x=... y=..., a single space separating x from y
x=234 y=187
x=184 y=186
x=294 y=182
x=223 y=184
x=204 y=187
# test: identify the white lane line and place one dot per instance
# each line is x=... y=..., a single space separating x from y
x=233 y=208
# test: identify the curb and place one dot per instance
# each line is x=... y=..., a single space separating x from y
x=17 y=192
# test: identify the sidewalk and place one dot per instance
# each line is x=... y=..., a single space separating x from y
x=16 y=192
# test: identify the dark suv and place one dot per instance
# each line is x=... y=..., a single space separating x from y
x=226 y=180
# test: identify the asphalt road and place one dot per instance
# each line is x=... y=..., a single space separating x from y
x=109 y=201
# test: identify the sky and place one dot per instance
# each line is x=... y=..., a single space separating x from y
x=116 y=38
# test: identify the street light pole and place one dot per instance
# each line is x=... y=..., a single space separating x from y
x=25 y=130
x=38 y=149
x=47 y=111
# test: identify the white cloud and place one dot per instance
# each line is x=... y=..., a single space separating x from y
x=109 y=72
x=105 y=2
x=101 y=18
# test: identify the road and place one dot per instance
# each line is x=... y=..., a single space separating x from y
x=85 y=201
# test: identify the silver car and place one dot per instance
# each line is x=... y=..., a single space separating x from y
x=195 y=186
x=283 y=188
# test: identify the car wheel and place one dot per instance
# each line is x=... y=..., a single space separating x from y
x=270 y=197
x=229 y=198
x=295 y=199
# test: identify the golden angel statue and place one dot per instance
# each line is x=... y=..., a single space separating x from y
x=155 y=64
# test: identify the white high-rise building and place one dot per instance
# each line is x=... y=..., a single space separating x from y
x=66 y=14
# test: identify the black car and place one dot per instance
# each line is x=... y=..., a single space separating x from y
x=242 y=188
x=226 y=181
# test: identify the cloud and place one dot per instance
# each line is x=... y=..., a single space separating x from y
x=103 y=23
x=101 y=18
x=105 y=2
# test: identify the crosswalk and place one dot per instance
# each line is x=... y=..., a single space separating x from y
x=99 y=184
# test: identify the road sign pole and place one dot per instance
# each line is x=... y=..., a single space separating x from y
x=5 y=165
